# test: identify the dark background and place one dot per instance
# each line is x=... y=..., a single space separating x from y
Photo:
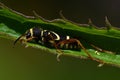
x=21 y=63
x=75 y=10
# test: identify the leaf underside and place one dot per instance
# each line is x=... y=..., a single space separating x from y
x=13 y=24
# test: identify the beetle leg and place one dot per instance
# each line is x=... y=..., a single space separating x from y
x=101 y=50
x=78 y=42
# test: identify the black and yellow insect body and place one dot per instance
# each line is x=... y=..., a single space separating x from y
x=34 y=34
x=52 y=39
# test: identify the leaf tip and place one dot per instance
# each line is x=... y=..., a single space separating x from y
x=37 y=16
x=62 y=16
x=107 y=23
x=90 y=23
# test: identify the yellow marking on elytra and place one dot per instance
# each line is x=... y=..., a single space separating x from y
x=51 y=41
x=41 y=33
x=31 y=31
x=67 y=37
x=58 y=37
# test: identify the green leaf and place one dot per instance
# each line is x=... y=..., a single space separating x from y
x=13 y=24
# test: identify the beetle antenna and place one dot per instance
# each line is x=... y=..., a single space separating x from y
x=17 y=40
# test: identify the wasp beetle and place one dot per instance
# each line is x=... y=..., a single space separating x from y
x=51 y=39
